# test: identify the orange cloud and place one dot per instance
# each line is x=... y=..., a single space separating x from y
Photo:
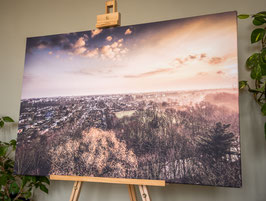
x=91 y=53
x=220 y=72
x=109 y=38
x=128 y=32
x=113 y=51
x=95 y=32
x=192 y=56
x=189 y=58
x=216 y=60
x=202 y=56
x=50 y=53
x=80 y=50
x=80 y=42
x=150 y=73
x=41 y=46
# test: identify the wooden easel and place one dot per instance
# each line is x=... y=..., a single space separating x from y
x=142 y=183
x=104 y=21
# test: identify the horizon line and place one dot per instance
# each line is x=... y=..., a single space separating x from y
x=168 y=91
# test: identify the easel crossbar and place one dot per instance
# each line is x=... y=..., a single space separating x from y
x=109 y=180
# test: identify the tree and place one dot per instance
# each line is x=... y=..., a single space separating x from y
x=216 y=166
x=97 y=153
x=217 y=144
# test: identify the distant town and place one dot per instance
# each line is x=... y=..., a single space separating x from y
x=40 y=115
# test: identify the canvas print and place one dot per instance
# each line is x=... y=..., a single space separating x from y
x=147 y=101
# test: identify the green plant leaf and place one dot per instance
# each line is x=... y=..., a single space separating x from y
x=2 y=123
x=44 y=180
x=258 y=21
x=13 y=143
x=257 y=35
x=3 y=150
x=14 y=189
x=256 y=73
x=243 y=16
x=263 y=109
x=262 y=89
x=253 y=60
x=27 y=194
x=263 y=69
x=260 y=14
x=43 y=188
x=3 y=179
x=263 y=55
x=242 y=84
x=8 y=119
x=34 y=179
x=25 y=180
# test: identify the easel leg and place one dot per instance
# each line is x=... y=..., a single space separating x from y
x=76 y=191
x=144 y=193
x=132 y=193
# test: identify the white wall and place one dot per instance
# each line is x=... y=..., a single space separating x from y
x=24 y=18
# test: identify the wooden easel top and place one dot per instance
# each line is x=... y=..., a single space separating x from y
x=109 y=180
x=109 y=19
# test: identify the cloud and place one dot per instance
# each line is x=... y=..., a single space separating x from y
x=91 y=53
x=113 y=51
x=128 y=32
x=202 y=55
x=109 y=38
x=79 y=46
x=50 y=53
x=192 y=57
x=216 y=60
x=80 y=50
x=80 y=43
x=42 y=46
x=198 y=57
x=59 y=41
x=180 y=61
x=95 y=32
x=150 y=73
x=220 y=72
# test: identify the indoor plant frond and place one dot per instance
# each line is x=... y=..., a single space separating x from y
x=256 y=63
x=15 y=187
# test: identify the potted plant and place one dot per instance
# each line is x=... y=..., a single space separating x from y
x=256 y=63
x=16 y=187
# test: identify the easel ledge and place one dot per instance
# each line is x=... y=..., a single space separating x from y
x=109 y=180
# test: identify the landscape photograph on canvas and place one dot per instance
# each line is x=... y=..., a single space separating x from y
x=148 y=101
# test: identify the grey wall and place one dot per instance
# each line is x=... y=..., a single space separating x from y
x=23 y=18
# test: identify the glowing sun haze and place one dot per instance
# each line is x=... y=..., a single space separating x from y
x=183 y=54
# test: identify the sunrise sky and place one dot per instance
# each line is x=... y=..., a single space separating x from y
x=184 y=54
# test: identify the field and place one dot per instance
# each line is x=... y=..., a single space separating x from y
x=181 y=136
